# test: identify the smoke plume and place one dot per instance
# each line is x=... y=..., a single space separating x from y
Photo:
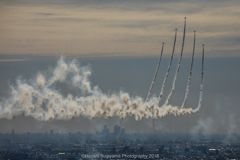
x=201 y=86
x=168 y=70
x=190 y=74
x=41 y=101
x=178 y=67
x=155 y=75
x=154 y=78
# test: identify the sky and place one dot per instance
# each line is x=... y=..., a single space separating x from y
x=117 y=28
x=121 y=41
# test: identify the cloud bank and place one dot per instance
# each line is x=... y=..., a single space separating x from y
x=115 y=28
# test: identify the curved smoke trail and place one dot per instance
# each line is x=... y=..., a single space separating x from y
x=201 y=86
x=168 y=70
x=155 y=75
x=165 y=79
x=179 y=64
x=190 y=74
x=42 y=102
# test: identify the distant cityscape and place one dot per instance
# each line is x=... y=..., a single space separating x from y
x=118 y=145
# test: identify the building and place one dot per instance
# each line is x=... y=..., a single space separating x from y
x=105 y=130
x=117 y=130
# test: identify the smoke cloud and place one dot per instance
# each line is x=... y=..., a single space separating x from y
x=41 y=101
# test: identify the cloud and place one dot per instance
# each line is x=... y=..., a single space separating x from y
x=137 y=27
x=45 y=14
x=13 y=60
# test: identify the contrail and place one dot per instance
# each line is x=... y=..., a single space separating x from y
x=178 y=68
x=190 y=74
x=155 y=75
x=201 y=86
x=168 y=70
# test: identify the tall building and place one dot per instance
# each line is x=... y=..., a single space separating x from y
x=13 y=131
x=51 y=132
x=117 y=129
x=105 y=130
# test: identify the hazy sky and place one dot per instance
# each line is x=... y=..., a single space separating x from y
x=31 y=31
x=117 y=28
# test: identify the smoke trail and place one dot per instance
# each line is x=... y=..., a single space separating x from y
x=165 y=79
x=154 y=78
x=178 y=68
x=190 y=74
x=201 y=87
x=168 y=70
x=43 y=102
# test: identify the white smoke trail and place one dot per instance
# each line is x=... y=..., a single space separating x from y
x=201 y=86
x=155 y=75
x=178 y=68
x=190 y=74
x=43 y=102
x=165 y=79
x=168 y=70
